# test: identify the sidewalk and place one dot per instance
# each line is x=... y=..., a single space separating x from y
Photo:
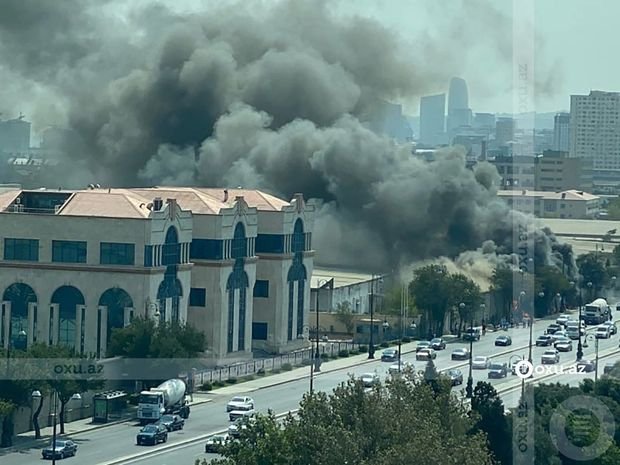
x=27 y=441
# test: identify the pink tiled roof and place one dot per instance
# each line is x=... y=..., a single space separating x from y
x=7 y=198
x=254 y=198
x=112 y=203
x=188 y=198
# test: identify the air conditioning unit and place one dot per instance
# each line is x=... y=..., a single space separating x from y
x=18 y=201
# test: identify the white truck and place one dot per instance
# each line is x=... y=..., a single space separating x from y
x=596 y=312
x=167 y=398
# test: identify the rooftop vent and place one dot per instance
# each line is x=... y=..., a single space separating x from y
x=563 y=195
x=157 y=204
x=225 y=195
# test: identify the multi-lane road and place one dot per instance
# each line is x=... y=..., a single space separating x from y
x=116 y=444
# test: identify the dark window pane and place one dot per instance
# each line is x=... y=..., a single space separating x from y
x=198 y=297
x=261 y=288
x=117 y=254
x=21 y=249
x=69 y=251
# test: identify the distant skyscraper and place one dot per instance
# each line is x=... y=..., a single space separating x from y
x=389 y=120
x=432 y=119
x=561 y=132
x=504 y=131
x=459 y=113
x=595 y=135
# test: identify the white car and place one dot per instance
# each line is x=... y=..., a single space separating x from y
x=562 y=319
x=481 y=362
x=369 y=379
x=603 y=332
x=403 y=366
x=550 y=356
x=240 y=403
x=563 y=345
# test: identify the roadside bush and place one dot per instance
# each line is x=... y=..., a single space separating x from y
x=306 y=362
x=324 y=356
x=231 y=381
x=260 y=372
x=406 y=339
x=218 y=384
x=363 y=349
x=354 y=352
x=343 y=353
x=208 y=386
x=334 y=356
x=275 y=371
x=287 y=367
x=385 y=344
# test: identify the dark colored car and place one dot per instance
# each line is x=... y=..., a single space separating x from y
x=471 y=334
x=438 y=343
x=552 y=328
x=460 y=354
x=389 y=355
x=422 y=345
x=172 y=422
x=544 y=341
x=586 y=366
x=152 y=434
x=503 y=341
x=64 y=448
x=215 y=444
x=498 y=370
x=455 y=376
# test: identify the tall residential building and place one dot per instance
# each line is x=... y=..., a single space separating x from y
x=561 y=132
x=432 y=119
x=504 y=131
x=14 y=136
x=459 y=113
x=595 y=135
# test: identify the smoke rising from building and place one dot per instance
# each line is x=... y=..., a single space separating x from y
x=272 y=96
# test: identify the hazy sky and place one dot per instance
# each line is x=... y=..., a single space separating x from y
x=575 y=44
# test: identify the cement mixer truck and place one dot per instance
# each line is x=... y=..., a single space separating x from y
x=596 y=312
x=167 y=398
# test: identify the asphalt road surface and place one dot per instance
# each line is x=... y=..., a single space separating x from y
x=116 y=444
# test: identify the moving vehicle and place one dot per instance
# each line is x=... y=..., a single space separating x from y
x=455 y=376
x=573 y=333
x=586 y=366
x=389 y=355
x=612 y=327
x=563 y=345
x=562 y=319
x=369 y=379
x=596 y=312
x=498 y=370
x=422 y=345
x=167 y=398
x=472 y=334
x=172 y=422
x=240 y=403
x=394 y=368
x=237 y=414
x=215 y=443
x=603 y=332
x=426 y=354
x=481 y=362
x=63 y=448
x=234 y=430
x=552 y=328
x=550 y=357
x=460 y=354
x=503 y=341
x=152 y=434
x=544 y=340
x=438 y=343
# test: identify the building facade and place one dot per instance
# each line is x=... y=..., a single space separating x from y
x=595 y=136
x=556 y=172
x=77 y=264
x=505 y=129
x=516 y=172
x=561 y=132
x=432 y=119
x=569 y=204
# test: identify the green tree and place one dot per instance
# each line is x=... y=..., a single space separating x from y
x=403 y=421
x=345 y=316
x=592 y=269
x=464 y=290
x=549 y=281
x=430 y=290
x=491 y=420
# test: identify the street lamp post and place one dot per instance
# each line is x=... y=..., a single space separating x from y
x=317 y=356
x=371 y=346
x=589 y=284
x=469 y=389
x=55 y=398
x=591 y=337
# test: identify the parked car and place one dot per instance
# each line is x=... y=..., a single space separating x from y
x=612 y=327
x=603 y=332
x=550 y=356
x=544 y=340
x=455 y=376
x=369 y=379
x=240 y=403
x=422 y=345
x=586 y=366
x=552 y=328
x=172 y=422
x=394 y=368
x=152 y=434
x=438 y=343
x=64 y=448
x=389 y=355
x=460 y=354
x=426 y=354
x=481 y=362
x=503 y=341
x=498 y=370
x=563 y=345
x=562 y=319
x=215 y=443
x=472 y=334
x=237 y=414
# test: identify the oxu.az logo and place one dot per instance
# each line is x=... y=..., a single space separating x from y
x=525 y=369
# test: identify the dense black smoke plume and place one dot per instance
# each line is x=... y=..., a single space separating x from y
x=272 y=96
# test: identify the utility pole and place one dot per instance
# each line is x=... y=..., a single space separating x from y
x=371 y=347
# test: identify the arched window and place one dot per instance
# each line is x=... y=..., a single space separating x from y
x=20 y=295
x=170 y=287
x=297 y=274
x=237 y=280
x=116 y=300
x=68 y=298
